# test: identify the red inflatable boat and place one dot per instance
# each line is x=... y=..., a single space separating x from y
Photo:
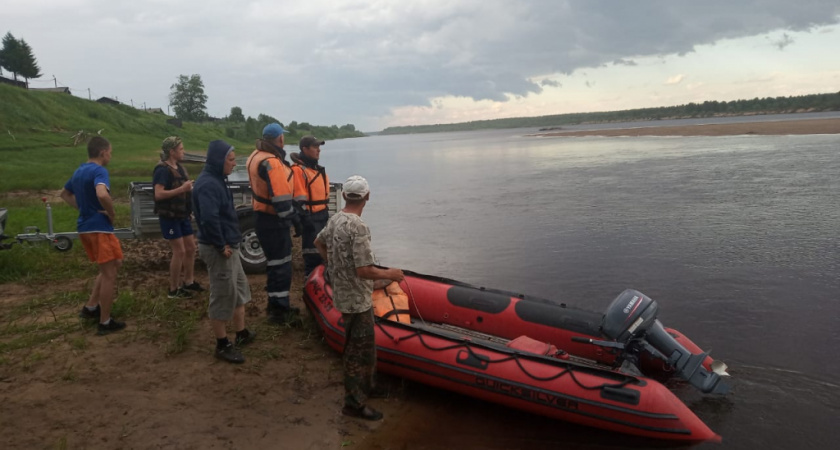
x=600 y=370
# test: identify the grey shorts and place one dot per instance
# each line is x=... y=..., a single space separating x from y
x=228 y=283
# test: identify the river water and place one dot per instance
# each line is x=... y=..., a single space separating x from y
x=735 y=237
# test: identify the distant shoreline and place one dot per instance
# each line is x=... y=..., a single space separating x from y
x=785 y=127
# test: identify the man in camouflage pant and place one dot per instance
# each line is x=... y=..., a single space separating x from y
x=344 y=245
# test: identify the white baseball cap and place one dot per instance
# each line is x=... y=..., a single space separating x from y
x=356 y=186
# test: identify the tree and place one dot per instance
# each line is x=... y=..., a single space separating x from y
x=29 y=65
x=236 y=115
x=16 y=56
x=10 y=54
x=187 y=98
x=252 y=128
x=265 y=119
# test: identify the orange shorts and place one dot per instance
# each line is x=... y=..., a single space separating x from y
x=101 y=247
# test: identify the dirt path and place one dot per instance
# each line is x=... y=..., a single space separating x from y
x=79 y=390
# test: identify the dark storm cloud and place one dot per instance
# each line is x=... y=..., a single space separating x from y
x=489 y=50
x=362 y=58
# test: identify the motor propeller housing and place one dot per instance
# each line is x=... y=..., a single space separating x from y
x=632 y=316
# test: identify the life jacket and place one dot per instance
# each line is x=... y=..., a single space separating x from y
x=391 y=303
x=179 y=206
x=273 y=185
x=312 y=181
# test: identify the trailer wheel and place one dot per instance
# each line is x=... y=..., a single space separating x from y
x=62 y=243
x=250 y=251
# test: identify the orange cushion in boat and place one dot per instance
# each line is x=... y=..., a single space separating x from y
x=388 y=299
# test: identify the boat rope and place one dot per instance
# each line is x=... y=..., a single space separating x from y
x=515 y=357
x=411 y=296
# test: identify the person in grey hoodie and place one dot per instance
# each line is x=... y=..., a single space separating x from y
x=218 y=247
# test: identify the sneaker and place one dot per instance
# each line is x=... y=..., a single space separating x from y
x=180 y=293
x=194 y=286
x=110 y=327
x=365 y=412
x=88 y=314
x=230 y=354
x=245 y=340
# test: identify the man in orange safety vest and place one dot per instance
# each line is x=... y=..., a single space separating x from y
x=276 y=210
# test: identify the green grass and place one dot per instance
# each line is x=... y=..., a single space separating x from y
x=37 y=146
x=157 y=316
x=38 y=152
x=46 y=321
x=32 y=335
x=40 y=263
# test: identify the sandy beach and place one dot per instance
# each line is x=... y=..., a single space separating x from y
x=816 y=126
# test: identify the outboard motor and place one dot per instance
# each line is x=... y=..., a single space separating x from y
x=631 y=321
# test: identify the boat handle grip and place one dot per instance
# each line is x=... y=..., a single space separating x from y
x=606 y=344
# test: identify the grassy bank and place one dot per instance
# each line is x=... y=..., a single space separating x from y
x=39 y=150
x=37 y=132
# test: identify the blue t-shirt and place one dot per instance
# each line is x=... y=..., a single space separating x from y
x=83 y=186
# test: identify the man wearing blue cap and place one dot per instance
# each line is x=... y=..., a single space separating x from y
x=275 y=208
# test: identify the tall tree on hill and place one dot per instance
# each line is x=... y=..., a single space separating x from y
x=187 y=98
x=10 y=54
x=29 y=65
x=16 y=56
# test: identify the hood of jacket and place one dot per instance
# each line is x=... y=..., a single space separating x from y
x=216 y=155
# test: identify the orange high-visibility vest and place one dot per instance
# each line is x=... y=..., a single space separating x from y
x=391 y=303
x=315 y=185
x=274 y=187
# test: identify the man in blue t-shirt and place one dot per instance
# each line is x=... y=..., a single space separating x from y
x=89 y=192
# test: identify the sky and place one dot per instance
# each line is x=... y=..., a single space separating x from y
x=380 y=63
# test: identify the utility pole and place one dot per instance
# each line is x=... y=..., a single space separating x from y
x=55 y=81
x=89 y=95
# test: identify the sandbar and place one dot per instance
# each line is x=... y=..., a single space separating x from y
x=782 y=127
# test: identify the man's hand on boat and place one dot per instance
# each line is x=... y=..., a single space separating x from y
x=373 y=272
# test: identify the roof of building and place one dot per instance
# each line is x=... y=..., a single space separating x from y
x=60 y=90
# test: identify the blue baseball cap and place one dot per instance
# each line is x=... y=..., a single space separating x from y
x=272 y=130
